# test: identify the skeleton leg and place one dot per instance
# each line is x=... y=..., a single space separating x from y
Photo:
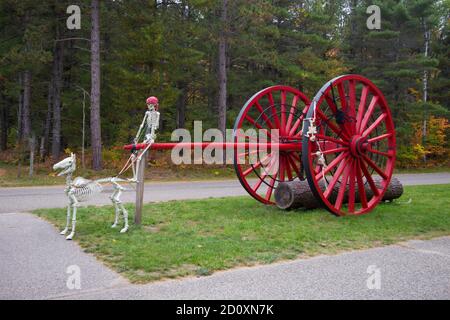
x=125 y=218
x=63 y=232
x=75 y=205
x=119 y=205
x=133 y=167
x=116 y=208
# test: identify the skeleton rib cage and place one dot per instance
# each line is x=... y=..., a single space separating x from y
x=84 y=192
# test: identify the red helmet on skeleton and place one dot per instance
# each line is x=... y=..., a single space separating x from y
x=153 y=100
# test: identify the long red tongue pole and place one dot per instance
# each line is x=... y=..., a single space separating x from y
x=223 y=145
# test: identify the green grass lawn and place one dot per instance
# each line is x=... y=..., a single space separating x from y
x=197 y=237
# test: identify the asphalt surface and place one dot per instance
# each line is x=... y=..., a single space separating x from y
x=34 y=260
x=35 y=266
x=31 y=198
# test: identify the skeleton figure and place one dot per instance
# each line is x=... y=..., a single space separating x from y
x=148 y=128
x=81 y=189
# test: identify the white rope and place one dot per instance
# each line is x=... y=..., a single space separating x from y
x=311 y=134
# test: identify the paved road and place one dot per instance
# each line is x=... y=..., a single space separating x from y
x=30 y=198
x=34 y=265
x=34 y=260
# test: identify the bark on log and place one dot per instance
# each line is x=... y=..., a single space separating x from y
x=297 y=194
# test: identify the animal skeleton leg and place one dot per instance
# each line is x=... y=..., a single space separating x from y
x=116 y=208
x=125 y=218
x=63 y=232
x=118 y=204
x=74 y=204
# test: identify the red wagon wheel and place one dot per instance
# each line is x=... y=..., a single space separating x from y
x=278 y=107
x=348 y=137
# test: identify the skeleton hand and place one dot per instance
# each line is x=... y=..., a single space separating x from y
x=149 y=138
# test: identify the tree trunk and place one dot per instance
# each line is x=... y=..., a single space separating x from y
x=181 y=109
x=4 y=124
x=96 y=141
x=58 y=75
x=45 y=142
x=20 y=111
x=427 y=36
x=26 y=130
x=222 y=103
x=32 y=144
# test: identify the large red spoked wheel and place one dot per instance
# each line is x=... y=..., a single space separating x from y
x=348 y=138
x=278 y=107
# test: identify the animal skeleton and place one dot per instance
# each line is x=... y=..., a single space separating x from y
x=81 y=189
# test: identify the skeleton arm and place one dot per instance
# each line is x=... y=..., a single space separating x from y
x=141 y=127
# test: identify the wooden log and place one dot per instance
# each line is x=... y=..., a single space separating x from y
x=394 y=190
x=297 y=194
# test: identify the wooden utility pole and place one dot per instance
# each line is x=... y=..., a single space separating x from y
x=222 y=103
x=96 y=136
x=140 y=190
x=427 y=37
x=32 y=144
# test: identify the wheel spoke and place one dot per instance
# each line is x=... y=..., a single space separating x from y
x=256 y=166
x=256 y=124
x=331 y=103
x=327 y=138
x=282 y=168
x=332 y=164
x=344 y=106
x=259 y=183
x=334 y=108
x=343 y=185
x=342 y=96
x=288 y=168
x=375 y=124
x=291 y=113
x=372 y=184
x=374 y=166
x=296 y=157
x=274 y=110
x=362 y=107
x=352 y=112
x=262 y=177
x=283 y=113
x=385 y=154
x=384 y=136
x=294 y=165
x=270 y=187
x=295 y=127
x=361 y=189
x=264 y=116
x=336 y=150
x=369 y=112
x=331 y=125
x=336 y=176
x=351 y=188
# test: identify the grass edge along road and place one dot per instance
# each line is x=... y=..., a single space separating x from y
x=198 y=237
x=44 y=176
